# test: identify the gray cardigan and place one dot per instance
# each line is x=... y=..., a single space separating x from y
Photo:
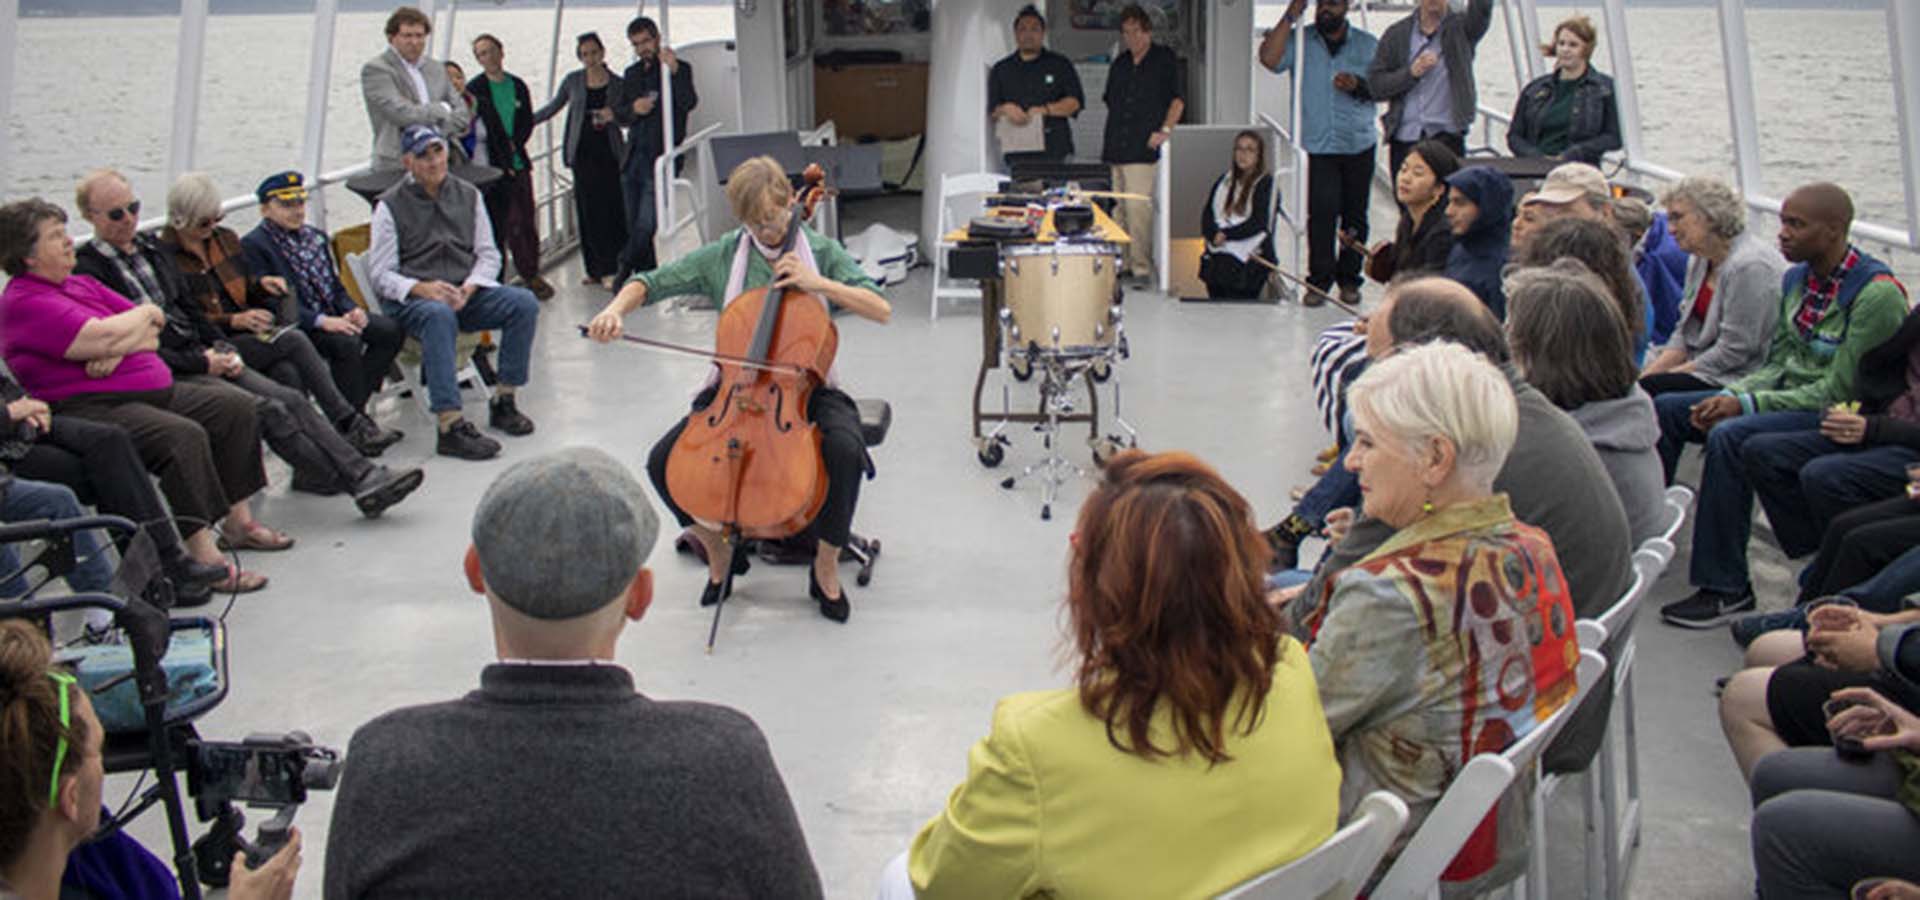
x=573 y=96
x=1733 y=338
x=1390 y=76
x=561 y=781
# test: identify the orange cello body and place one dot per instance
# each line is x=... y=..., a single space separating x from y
x=751 y=460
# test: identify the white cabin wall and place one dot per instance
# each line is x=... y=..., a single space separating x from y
x=1228 y=94
x=764 y=84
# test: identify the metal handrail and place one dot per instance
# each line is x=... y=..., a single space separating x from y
x=664 y=186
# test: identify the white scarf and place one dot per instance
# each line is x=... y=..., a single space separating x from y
x=1243 y=248
x=737 y=283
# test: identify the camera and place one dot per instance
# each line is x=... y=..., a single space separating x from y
x=272 y=771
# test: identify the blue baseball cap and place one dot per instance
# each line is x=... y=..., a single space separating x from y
x=417 y=138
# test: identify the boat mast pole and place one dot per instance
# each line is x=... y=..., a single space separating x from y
x=1903 y=37
x=9 y=48
x=1738 y=66
x=663 y=172
x=186 y=86
x=554 y=215
x=314 y=135
x=1625 y=88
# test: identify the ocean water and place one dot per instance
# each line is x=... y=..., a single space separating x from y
x=98 y=91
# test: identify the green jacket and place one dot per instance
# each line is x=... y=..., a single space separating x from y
x=1802 y=374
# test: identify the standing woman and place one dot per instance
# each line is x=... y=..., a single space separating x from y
x=594 y=149
x=1236 y=222
x=1569 y=113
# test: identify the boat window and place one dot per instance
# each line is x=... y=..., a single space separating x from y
x=855 y=18
x=1103 y=15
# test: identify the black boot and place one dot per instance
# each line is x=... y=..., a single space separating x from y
x=382 y=487
x=742 y=561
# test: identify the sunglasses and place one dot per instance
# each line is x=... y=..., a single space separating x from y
x=209 y=222
x=65 y=684
x=290 y=202
x=120 y=212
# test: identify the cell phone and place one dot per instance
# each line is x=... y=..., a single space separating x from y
x=250 y=774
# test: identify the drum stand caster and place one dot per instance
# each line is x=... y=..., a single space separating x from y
x=1056 y=399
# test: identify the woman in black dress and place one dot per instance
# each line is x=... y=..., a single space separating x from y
x=594 y=150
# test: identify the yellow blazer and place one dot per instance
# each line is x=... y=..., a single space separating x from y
x=1051 y=808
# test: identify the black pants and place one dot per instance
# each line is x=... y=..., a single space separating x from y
x=1339 y=186
x=841 y=445
x=1397 y=150
x=1858 y=544
x=359 y=362
x=292 y=360
x=199 y=439
x=511 y=213
x=100 y=464
x=1675 y=383
x=1797 y=691
x=319 y=454
x=1230 y=279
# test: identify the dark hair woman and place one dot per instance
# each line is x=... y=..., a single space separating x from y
x=1237 y=223
x=594 y=149
x=1423 y=238
x=1190 y=710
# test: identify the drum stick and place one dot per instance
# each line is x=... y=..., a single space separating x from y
x=1344 y=307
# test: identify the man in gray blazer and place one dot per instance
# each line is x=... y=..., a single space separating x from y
x=1423 y=68
x=403 y=86
x=555 y=778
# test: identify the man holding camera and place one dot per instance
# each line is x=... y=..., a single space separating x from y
x=556 y=778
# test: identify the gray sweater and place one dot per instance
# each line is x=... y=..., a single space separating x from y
x=1390 y=76
x=1624 y=432
x=560 y=781
x=1556 y=482
x=1732 y=340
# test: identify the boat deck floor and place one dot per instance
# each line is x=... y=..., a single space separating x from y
x=870 y=722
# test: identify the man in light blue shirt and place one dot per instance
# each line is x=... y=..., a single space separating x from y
x=1336 y=129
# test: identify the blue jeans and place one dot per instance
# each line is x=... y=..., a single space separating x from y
x=636 y=187
x=1724 y=515
x=1335 y=489
x=511 y=310
x=1674 y=412
x=1888 y=589
x=29 y=500
x=1804 y=481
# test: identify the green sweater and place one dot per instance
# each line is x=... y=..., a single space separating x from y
x=1796 y=374
x=704 y=271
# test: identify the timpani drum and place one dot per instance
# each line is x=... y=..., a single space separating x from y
x=1062 y=297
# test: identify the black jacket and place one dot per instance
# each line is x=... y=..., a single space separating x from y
x=1593 y=129
x=502 y=148
x=188 y=335
x=646 y=134
x=1423 y=247
x=1256 y=222
x=1883 y=378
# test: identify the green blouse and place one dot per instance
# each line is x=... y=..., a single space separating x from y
x=704 y=271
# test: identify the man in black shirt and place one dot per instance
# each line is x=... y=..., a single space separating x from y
x=646 y=134
x=1034 y=81
x=1144 y=101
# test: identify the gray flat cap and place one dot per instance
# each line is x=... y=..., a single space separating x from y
x=561 y=535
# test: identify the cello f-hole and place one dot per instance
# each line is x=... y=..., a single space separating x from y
x=724 y=403
x=779 y=407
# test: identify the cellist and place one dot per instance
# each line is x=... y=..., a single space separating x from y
x=745 y=258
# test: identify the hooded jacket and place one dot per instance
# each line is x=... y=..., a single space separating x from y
x=1624 y=432
x=1662 y=267
x=1813 y=373
x=1479 y=254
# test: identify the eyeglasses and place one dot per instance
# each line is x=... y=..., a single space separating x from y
x=120 y=212
x=290 y=202
x=209 y=222
x=65 y=685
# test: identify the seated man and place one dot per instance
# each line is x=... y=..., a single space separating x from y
x=434 y=266
x=359 y=346
x=556 y=779
x=1837 y=303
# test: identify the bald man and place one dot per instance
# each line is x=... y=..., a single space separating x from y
x=1553 y=477
x=1836 y=304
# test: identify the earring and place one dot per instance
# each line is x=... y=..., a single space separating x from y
x=1427 y=507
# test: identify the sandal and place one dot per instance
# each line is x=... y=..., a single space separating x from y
x=258 y=537
x=239 y=581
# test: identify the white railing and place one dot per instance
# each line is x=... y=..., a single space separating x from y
x=667 y=225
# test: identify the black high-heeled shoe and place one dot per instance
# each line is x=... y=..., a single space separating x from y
x=741 y=563
x=835 y=608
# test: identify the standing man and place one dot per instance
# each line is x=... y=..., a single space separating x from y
x=502 y=101
x=1423 y=68
x=1034 y=81
x=1336 y=126
x=646 y=135
x=403 y=87
x=1144 y=101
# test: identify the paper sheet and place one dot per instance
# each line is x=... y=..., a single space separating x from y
x=1028 y=138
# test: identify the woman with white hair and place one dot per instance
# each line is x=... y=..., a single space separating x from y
x=1413 y=682
x=1732 y=295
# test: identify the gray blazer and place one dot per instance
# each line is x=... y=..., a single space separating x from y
x=392 y=103
x=573 y=96
x=1390 y=76
x=1733 y=338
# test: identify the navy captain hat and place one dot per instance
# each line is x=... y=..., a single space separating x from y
x=288 y=185
x=417 y=138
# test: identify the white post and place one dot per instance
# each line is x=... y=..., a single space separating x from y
x=446 y=33
x=186 y=86
x=1297 y=128
x=314 y=134
x=1625 y=90
x=1516 y=47
x=1530 y=34
x=663 y=183
x=1903 y=41
x=554 y=213
x=1740 y=106
x=9 y=46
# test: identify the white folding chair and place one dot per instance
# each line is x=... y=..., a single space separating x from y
x=1618 y=822
x=1337 y=869
x=1473 y=793
x=467 y=375
x=952 y=187
x=1679 y=498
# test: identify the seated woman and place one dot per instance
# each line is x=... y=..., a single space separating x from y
x=51 y=777
x=1414 y=688
x=1732 y=296
x=1570 y=344
x=88 y=352
x=752 y=256
x=1480 y=215
x=1569 y=113
x=1236 y=223
x=1190 y=710
x=255 y=312
x=1603 y=250
x=1423 y=239
x=359 y=346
